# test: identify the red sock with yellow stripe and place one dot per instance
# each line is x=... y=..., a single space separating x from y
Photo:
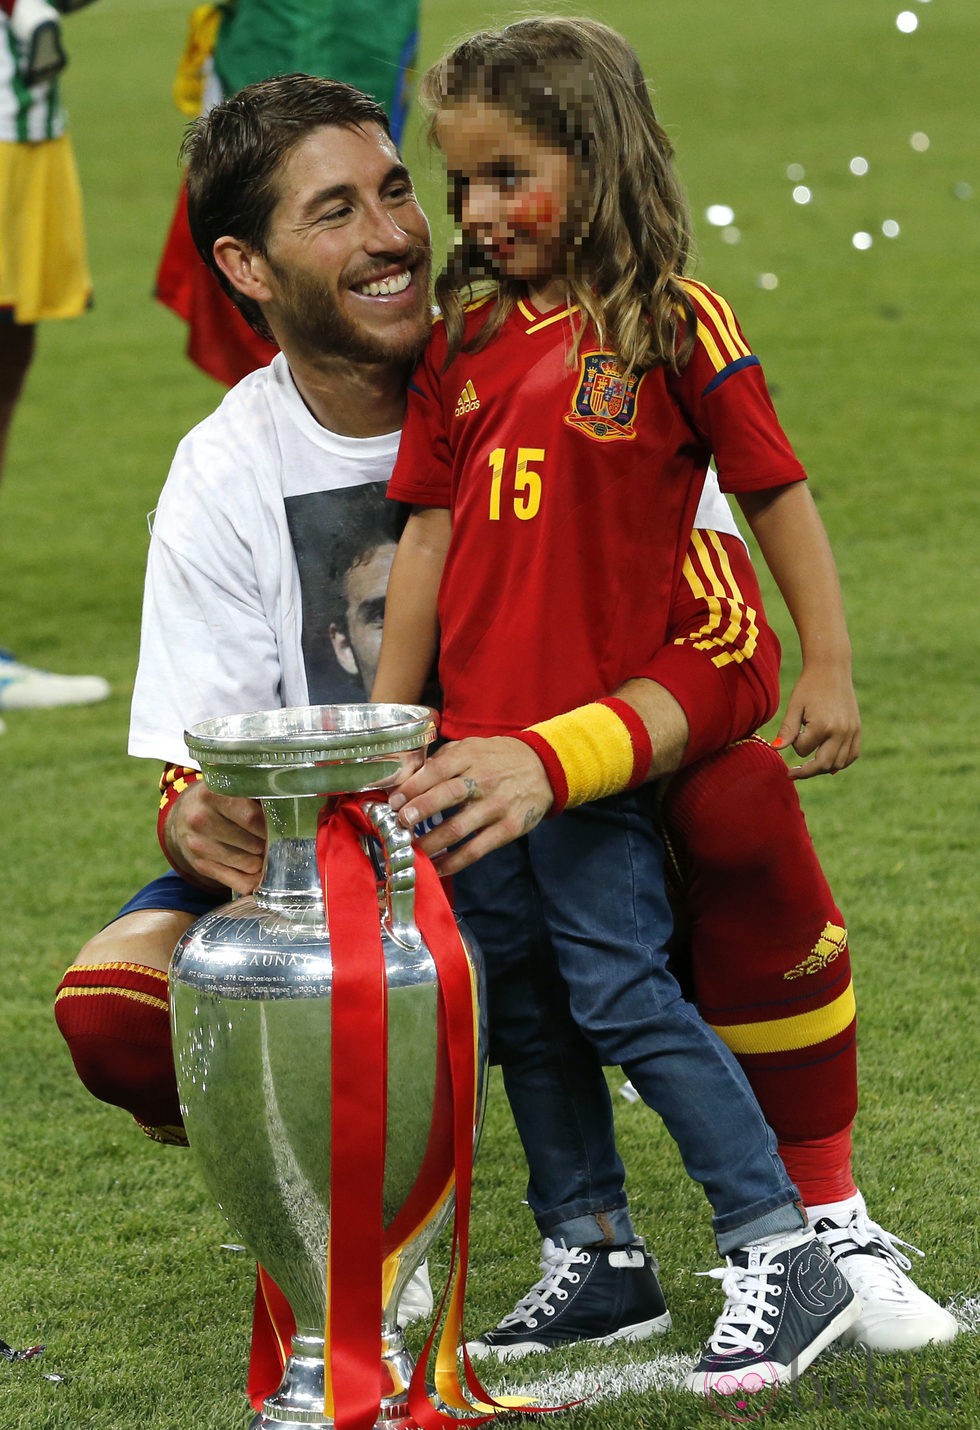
x=115 y=1018
x=770 y=964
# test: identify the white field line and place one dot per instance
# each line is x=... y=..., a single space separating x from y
x=966 y=1309
x=665 y=1372
x=662 y=1373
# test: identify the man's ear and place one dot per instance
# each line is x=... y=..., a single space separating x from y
x=244 y=268
x=342 y=649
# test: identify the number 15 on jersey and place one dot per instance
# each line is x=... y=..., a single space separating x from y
x=513 y=481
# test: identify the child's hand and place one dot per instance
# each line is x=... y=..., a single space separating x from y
x=822 y=720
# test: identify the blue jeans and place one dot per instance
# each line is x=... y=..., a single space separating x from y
x=573 y=921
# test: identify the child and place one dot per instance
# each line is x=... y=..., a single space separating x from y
x=557 y=439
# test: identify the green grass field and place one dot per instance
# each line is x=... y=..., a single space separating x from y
x=111 y=1250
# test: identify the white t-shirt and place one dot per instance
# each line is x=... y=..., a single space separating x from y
x=258 y=516
x=240 y=559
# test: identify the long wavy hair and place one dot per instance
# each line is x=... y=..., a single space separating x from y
x=579 y=86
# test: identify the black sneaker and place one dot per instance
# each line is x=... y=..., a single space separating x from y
x=588 y=1295
x=785 y=1302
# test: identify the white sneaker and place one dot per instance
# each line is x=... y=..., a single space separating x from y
x=24 y=687
x=895 y=1314
x=416 y=1300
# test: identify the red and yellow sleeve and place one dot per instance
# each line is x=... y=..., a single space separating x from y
x=723 y=390
x=721 y=659
x=173 y=782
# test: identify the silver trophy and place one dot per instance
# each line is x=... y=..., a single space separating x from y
x=250 y=989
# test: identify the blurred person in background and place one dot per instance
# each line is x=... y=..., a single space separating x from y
x=367 y=45
x=43 y=268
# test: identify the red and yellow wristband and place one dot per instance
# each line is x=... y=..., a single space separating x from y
x=174 y=780
x=594 y=751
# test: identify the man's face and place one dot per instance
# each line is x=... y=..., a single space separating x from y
x=348 y=250
x=358 y=647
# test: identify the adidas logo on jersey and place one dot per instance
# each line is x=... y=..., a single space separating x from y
x=467 y=401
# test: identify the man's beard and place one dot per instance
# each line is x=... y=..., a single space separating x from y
x=314 y=319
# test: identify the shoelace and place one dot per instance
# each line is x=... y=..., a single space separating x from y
x=556 y=1263
x=747 y=1304
x=886 y=1265
x=865 y=1235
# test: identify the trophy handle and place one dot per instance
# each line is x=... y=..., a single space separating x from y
x=399 y=875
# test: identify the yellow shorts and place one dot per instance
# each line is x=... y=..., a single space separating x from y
x=43 y=268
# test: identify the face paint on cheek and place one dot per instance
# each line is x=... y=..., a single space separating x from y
x=534 y=210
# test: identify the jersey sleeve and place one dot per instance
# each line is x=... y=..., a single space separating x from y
x=423 y=469
x=721 y=658
x=723 y=392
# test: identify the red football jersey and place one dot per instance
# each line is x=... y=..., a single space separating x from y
x=573 y=493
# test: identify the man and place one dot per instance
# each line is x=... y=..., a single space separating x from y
x=300 y=203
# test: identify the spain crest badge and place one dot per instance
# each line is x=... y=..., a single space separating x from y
x=604 y=404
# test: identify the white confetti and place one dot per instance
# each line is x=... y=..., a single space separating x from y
x=919 y=141
x=767 y=281
x=907 y=21
x=858 y=165
x=862 y=240
x=795 y=172
x=890 y=228
x=801 y=194
x=719 y=215
x=731 y=234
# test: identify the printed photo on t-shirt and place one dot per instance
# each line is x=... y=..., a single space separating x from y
x=344 y=542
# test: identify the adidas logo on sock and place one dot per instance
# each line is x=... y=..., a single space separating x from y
x=467 y=400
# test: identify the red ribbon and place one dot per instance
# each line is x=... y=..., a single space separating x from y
x=358 y=1117
x=358 y=1242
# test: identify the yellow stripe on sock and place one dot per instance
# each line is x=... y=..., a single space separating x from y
x=142 y=968
x=132 y=993
x=780 y=1035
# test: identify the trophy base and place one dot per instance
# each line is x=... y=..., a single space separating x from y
x=391 y=1417
x=298 y=1404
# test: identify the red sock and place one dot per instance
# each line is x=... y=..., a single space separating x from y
x=770 y=965
x=115 y=1019
x=821 y=1168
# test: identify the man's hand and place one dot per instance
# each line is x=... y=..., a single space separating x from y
x=821 y=720
x=497 y=789
x=219 y=840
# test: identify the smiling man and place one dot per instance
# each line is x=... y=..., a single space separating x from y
x=262 y=589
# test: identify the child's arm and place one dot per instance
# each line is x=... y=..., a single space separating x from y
x=822 y=717
x=411 y=625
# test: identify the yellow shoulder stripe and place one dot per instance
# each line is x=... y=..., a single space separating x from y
x=717 y=328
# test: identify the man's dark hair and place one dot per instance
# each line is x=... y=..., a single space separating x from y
x=366 y=521
x=234 y=152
